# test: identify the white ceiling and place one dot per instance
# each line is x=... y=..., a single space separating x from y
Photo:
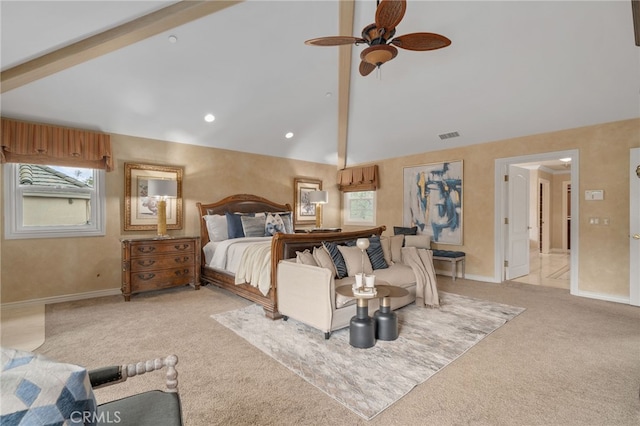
x=514 y=68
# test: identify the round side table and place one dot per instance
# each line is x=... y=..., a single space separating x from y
x=362 y=328
x=386 y=319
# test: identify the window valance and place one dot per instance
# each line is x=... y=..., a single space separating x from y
x=24 y=142
x=358 y=179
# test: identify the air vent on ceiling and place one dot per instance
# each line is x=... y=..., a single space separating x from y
x=449 y=135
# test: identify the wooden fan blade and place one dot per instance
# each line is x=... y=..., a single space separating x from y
x=334 y=41
x=366 y=68
x=421 y=41
x=389 y=13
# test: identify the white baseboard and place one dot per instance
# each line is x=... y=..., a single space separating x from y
x=59 y=299
x=606 y=297
x=447 y=273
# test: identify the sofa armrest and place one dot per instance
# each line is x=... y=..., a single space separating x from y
x=306 y=293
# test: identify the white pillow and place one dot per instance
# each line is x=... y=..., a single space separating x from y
x=385 y=242
x=306 y=258
x=217 y=227
x=323 y=259
x=418 y=241
x=353 y=258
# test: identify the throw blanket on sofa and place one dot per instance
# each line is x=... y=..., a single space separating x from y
x=421 y=262
x=255 y=267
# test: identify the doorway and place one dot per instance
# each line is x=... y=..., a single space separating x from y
x=503 y=208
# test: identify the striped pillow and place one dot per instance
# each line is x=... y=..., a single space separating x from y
x=336 y=257
x=376 y=254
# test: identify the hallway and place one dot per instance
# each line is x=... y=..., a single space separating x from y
x=549 y=270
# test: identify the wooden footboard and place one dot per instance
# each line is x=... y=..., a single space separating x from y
x=283 y=246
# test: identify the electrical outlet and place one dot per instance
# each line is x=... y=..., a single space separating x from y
x=605 y=221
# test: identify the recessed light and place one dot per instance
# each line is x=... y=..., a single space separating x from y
x=173 y=39
x=289 y=135
x=209 y=118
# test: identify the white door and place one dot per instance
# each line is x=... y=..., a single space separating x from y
x=545 y=220
x=634 y=228
x=518 y=223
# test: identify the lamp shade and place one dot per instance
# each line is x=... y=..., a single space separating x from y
x=162 y=188
x=319 y=197
x=362 y=243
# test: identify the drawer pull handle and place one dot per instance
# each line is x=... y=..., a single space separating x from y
x=182 y=246
x=146 y=249
x=182 y=259
x=146 y=262
x=146 y=277
x=182 y=273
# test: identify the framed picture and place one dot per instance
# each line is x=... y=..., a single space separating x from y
x=140 y=211
x=304 y=212
x=433 y=201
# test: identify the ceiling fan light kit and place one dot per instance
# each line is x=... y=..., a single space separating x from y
x=379 y=35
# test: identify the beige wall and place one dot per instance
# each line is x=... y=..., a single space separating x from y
x=43 y=268
x=604 y=162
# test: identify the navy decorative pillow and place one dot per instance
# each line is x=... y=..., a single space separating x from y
x=400 y=230
x=376 y=255
x=336 y=257
x=234 y=225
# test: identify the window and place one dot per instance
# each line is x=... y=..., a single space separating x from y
x=51 y=201
x=360 y=208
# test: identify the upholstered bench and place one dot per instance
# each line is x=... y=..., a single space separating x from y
x=454 y=257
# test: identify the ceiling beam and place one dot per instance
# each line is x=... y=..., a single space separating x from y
x=108 y=41
x=345 y=27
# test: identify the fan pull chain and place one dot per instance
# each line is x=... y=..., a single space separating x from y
x=379 y=72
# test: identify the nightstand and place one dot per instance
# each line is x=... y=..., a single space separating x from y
x=157 y=263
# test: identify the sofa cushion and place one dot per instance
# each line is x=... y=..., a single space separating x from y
x=342 y=301
x=398 y=274
x=397 y=242
x=353 y=258
x=418 y=241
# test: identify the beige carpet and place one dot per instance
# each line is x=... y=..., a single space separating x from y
x=564 y=361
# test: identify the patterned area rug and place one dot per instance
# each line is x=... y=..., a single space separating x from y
x=367 y=381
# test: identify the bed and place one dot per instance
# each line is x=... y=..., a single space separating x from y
x=282 y=246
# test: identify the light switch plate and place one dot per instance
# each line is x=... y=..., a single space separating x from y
x=594 y=194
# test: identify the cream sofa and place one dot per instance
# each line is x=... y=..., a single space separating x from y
x=307 y=293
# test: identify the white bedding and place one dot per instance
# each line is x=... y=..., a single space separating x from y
x=226 y=255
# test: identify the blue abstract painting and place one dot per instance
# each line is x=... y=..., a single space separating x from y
x=433 y=201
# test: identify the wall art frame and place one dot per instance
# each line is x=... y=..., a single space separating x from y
x=432 y=202
x=140 y=211
x=304 y=212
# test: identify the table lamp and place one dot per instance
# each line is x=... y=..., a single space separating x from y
x=162 y=189
x=319 y=198
x=363 y=245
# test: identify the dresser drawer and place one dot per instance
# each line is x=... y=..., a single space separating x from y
x=143 y=249
x=142 y=281
x=162 y=262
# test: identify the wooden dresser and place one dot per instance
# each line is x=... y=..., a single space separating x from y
x=157 y=263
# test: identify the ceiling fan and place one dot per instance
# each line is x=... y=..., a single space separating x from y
x=379 y=35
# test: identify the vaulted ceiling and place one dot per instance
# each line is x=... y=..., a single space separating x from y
x=514 y=68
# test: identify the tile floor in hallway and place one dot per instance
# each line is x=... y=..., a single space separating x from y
x=550 y=270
